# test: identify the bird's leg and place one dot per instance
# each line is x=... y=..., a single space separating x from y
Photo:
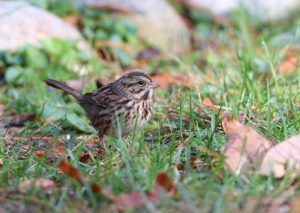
x=102 y=142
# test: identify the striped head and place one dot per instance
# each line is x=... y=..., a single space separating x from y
x=136 y=85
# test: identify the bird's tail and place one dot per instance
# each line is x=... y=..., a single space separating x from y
x=63 y=87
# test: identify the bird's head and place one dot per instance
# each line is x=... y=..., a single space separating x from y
x=136 y=84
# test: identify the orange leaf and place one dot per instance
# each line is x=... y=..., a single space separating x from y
x=165 y=182
x=227 y=117
x=244 y=146
x=40 y=153
x=70 y=170
x=59 y=149
x=290 y=61
x=295 y=204
x=207 y=102
x=189 y=80
x=164 y=79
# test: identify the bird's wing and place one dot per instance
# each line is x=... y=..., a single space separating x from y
x=101 y=97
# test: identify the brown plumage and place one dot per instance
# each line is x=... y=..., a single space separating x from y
x=123 y=104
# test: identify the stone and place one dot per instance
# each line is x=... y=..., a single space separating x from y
x=22 y=24
x=157 y=22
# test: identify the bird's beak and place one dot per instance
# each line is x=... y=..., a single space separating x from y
x=154 y=85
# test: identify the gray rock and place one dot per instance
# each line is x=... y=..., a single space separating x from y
x=22 y=23
x=157 y=22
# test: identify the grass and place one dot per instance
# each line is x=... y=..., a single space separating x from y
x=239 y=70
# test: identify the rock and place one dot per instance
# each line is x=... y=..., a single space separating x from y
x=260 y=10
x=22 y=23
x=156 y=20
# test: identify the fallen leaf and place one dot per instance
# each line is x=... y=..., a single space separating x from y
x=164 y=79
x=267 y=205
x=227 y=117
x=70 y=170
x=189 y=80
x=95 y=188
x=129 y=201
x=134 y=199
x=40 y=153
x=180 y=166
x=88 y=139
x=20 y=120
x=165 y=182
x=283 y=156
x=290 y=61
x=207 y=103
x=59 y=149
x=40 y=183
x=84 y=157
x=295 y=204
x=244 y=146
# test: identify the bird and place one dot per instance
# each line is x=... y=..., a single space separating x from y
x=124 y=104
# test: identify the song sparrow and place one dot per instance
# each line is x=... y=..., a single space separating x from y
x=123 y=104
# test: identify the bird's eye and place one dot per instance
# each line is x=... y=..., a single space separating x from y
x=140 y=83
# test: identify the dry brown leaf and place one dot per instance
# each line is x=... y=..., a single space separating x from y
x=134 y=199
x=290 y=61
x=282 y=156
x=40 y=153
x=227 y=118
x=295 y=204
x=41 y=183
x=59 y=149
x=208 y=103
x=189 y=80
x=244 y=146
x=95 y=188
x=165 y=182
x=84 y=157
x=70 y=170
x=164 y=79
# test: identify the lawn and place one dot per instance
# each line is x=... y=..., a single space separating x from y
x=53 y=162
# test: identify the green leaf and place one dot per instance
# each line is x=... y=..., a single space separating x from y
x=122 y=56
x=12 y=74
x=36 y=58
x=78 y=122
x=53 y=112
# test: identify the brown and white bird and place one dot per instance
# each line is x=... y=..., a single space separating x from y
x=124 y=104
